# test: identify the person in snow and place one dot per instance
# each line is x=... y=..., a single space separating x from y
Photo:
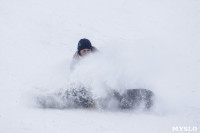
x=84 y=48
x=81 y=97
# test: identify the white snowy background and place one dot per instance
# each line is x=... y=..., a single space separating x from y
x=147 y=44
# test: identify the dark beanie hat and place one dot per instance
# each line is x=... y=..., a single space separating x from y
x=84 y=44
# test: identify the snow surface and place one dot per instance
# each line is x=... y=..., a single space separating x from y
x=147 y=44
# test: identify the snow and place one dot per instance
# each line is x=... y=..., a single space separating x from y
x=147 y=44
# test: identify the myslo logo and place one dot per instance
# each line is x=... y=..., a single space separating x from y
x=184 y=129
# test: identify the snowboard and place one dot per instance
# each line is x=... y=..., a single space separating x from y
x=83 y=98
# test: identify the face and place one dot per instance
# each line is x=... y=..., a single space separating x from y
x=85 y=52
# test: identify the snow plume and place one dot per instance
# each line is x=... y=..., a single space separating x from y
x=110 y=70
x=102 y=73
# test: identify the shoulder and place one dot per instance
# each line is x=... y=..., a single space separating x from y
x=94 y=49
x=76 y=55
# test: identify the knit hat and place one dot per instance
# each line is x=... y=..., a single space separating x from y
x=84 y=44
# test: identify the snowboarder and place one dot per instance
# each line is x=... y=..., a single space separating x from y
x=131 y=98
x=81 y=97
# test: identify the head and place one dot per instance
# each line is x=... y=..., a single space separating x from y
x=84 y=47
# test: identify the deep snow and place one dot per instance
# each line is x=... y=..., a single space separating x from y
x=148 y=44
